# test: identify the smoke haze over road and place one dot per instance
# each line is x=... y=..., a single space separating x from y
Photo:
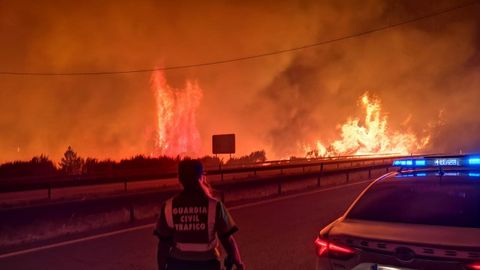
x=425 y=73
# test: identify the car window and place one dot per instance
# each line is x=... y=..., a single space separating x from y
x=421 y=202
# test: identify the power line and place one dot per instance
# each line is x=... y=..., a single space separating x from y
x=218 y=62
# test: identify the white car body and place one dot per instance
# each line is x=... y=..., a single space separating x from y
x=356 y=243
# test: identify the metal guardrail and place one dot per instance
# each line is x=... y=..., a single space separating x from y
x=321 y=164
x=281 y=182
x=211 y=165
x=220 y=174
x=276 y=184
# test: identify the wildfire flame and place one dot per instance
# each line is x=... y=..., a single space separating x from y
x=176 y=132
x=370 y=137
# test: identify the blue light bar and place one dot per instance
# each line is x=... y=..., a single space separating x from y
x=439 y=162
x=409 y=163
x=403 y=163
x=474 y=174
x=420 y=162
x=474 y=161
x=447 y=161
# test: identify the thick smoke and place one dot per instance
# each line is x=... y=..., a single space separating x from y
x=425 y=73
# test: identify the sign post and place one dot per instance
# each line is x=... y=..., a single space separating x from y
x=223 y=144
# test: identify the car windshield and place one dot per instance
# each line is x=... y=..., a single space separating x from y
x=430 y=200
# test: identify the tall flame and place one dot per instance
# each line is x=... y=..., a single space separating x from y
x=370 y=137
x=176 y=131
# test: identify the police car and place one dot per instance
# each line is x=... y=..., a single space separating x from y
x=426 y=215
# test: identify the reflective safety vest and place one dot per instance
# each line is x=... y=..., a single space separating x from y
x=193 y=226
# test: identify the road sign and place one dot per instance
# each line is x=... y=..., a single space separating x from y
x=223 y=144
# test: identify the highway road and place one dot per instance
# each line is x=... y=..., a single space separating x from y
x=274 y=234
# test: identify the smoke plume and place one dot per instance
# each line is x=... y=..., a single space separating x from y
x=425 y=73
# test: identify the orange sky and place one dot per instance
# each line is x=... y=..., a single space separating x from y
x=274 y=103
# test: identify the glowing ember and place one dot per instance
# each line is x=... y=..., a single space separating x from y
x=176 y=131
x=373 y=137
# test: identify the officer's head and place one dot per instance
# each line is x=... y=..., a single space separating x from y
x=190 y=172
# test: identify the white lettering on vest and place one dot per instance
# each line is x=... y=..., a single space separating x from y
x=189 y=218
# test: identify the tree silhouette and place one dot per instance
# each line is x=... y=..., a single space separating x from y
x=38 y=166
x=71 y=164
x=42 y=165
x=254 y=157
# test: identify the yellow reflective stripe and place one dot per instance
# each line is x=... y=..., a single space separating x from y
x=169 y=213
x=196 y=247
x=212 y=209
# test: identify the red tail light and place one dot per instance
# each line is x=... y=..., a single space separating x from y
x=326 y=248
x=321 y=247
x=474 y=266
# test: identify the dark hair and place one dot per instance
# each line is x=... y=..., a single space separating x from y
x=190 y=173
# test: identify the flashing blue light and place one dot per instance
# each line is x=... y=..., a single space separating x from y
x=474 y=161
x=409 y=163
x=438 y=162
x=474 y=174
x=420 y=162
x=404 y=162
x=421 y=174
x=399 y=163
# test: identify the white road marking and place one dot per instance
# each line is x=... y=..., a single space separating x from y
x=142 y=227
x=65 y=243
x=296 y=195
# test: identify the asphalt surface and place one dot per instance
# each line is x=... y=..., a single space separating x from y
x=275 y=234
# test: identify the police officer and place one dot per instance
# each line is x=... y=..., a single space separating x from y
x=191 y=223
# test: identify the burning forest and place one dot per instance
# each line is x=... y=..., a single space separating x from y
x=176 y=130
x=370 y=135
x=224 y=74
